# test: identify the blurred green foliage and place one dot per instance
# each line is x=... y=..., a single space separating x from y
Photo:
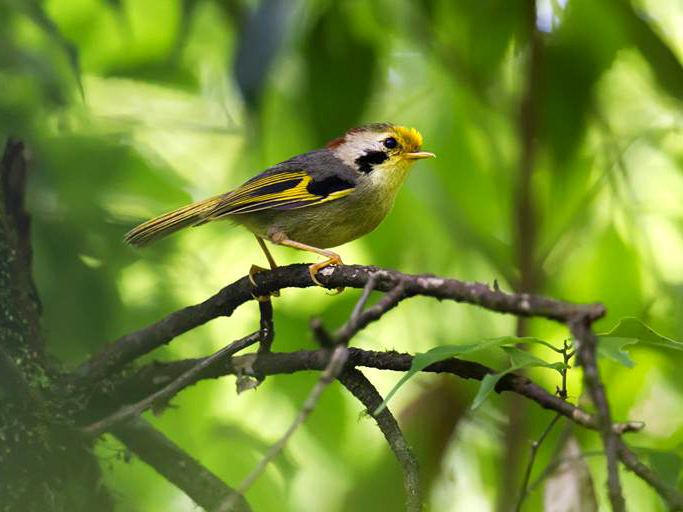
x=131 y=108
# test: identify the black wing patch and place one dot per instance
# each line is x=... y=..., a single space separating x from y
x=328 y=185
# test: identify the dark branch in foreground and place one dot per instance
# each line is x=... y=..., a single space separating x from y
x=398 y=286
x=149 y=378
x=156 y=374
x=131 y=346
x=367 y=394
x=205 y=488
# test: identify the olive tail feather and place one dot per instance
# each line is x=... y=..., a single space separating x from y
x=164 y=225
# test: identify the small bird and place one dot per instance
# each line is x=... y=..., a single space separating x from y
x=313 y=201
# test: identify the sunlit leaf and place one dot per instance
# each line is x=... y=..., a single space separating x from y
x=665 y=64
x=631 y=327
x=519 y=360
x=488 y=384
x=612 y=347
x=441 y=353
x=37 y=13
x=524 y=359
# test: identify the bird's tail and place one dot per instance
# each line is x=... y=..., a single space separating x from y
x=162 y=226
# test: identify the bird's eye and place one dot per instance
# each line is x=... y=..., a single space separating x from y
x=390 y=143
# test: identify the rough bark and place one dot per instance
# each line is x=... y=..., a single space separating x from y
x=44 y=465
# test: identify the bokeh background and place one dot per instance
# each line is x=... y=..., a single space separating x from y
x=559 y=136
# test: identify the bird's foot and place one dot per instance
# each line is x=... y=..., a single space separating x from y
x=313 y=270
x=255 y=269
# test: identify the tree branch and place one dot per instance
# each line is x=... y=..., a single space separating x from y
x=200 y=484
x=276 y=363
x=149 y=378
x=20 y=311
x=672 y=496
x=586 y=343
x=131 y=346
x=359 y=385
x=164 y=395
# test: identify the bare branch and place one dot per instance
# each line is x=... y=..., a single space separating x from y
x=149 y=378
x=362 y=318
x=532 y=458
x=186 y=473
x=672 y=496
x=266 y=326
x=368 y=395
x=131 y=346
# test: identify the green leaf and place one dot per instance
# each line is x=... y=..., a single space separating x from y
x=518 y=358
x=630 y=327
x=523 y=359
x=443 y=352
x=612 y=347
x=661 y=57
x=488 y=384
x=667 y=465
x=340 y=62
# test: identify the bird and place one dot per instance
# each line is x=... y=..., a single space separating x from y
x=314 y=201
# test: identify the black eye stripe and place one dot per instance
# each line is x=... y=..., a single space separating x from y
x=368 y=160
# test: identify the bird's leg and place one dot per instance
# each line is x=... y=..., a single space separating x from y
x=269 y=257
x=255 y=268
x=332 y=257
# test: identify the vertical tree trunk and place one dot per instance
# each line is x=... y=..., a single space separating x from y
x=44 y=465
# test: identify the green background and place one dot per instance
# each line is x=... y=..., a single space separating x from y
x=131 y=108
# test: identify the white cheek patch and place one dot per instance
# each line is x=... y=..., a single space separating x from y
x=358 y=144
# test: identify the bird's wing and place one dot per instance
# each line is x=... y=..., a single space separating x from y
x=283 y=189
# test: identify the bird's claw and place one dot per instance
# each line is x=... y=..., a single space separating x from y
x=255 y=269
x=313 y=270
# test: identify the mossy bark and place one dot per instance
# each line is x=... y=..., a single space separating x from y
x=44 y=464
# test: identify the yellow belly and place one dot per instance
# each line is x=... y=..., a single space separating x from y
x=323 y=226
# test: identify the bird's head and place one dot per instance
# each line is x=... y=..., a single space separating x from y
x=379 y=148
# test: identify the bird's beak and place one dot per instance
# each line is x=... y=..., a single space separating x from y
x=419 y=155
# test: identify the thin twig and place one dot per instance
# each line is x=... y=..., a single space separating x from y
x=672 y=496
x=367 y=290
x=164 y=394
x=532 y=458
x=361 y=319
x=266 y=326
x=367 y=394
x=179 y=468
x=562 y=393
x=334 y=366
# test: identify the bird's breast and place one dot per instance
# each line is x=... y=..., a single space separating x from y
x=325 y=225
